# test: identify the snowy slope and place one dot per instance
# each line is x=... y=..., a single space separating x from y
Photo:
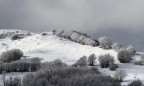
x=51 y=47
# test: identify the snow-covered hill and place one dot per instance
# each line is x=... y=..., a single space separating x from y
x=51 y=47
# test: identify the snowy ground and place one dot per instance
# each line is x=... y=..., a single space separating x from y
x=51 y=47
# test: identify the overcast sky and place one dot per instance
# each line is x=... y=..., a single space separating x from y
x=122 y=20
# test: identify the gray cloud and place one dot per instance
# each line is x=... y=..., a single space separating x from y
x=82 y=15
x=124 y=37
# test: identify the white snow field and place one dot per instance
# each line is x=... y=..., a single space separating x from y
x=51 y=47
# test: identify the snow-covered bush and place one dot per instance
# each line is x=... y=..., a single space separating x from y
x=105 y=42
x=35 y=60
x=106 y=60
x=131 y=50
x=113 y=67
x=19 y=66
x=35 y=63
x=11 y=55
x=136 y=83
x=116 y=47
x=74 y=36
x=15 y=37
x=138 y=62
x=58 y=62
x=43 y=34
x=120 y=75
x=91 y=59
x=69 y=76
x=27 y=79
x=54 y=64
x=13 y=82
x=28 y=34
x=42 y=82
x=18 y=36
x=6 y=34
x=90 y=80
x=81 y=62
x=89 y=41
x=124 y=56
x=82 y=38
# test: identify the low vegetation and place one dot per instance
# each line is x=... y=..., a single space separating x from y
x=81 y=62
x=69 y=76
x=124 y=56
x=106 y=60
x=51 y=74
x=91 y=59
x=136 y=83
x=82 y=38
x=105 y=43
x=13 y=82
x=113 y=67
x=11 y=55
x=120 y=75
x=131 y=50
x=117 y=47
x=19 y=66
x=56 y=73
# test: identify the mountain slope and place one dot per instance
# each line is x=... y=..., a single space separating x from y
x=51 y=47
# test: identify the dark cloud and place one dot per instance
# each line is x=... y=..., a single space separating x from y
x=124 y=37
x=83 y=15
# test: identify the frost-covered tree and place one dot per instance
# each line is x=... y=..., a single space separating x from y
x=131 y=50
x=116 y=46
x=89 y=41
x=120 y=75
x=42 y=82
x=81 y=62
x=35 y=63
x=16 y=66
x=58 y=62
x=11 y=55
x=81 y=38
x=74 y=36
x=13 y=82
x=141 y=61
x=113 y=67
x=124 y=56
x=106 y=60
x=105 y=42
x=28 y=80
x=91 y=59
x=3 y=78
